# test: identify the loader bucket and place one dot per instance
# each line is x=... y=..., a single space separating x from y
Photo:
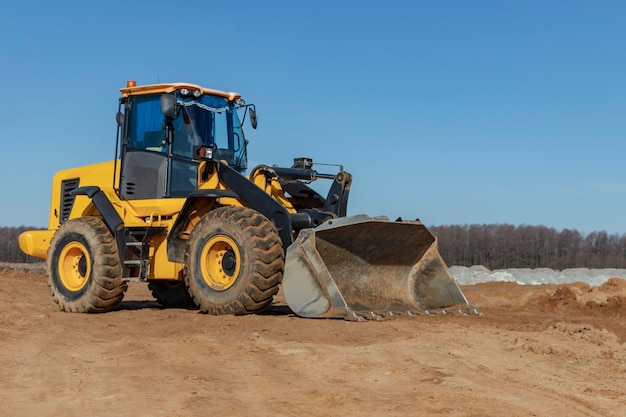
x=360 y=266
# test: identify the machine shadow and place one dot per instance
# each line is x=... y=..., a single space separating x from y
x=140 y=305
x=133 y=305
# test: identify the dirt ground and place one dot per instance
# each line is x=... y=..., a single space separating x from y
x=537 y=351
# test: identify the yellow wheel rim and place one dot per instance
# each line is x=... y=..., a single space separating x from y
x=74 y=266
x=220 y=262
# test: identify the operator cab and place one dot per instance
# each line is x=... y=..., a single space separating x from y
x=166 y=129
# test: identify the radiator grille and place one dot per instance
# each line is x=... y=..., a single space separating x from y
x=67 y=200
x=130 y=188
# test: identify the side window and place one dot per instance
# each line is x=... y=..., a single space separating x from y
x=220 y=130
x=146 y=125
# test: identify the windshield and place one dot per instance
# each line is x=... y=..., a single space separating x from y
x=205 y=120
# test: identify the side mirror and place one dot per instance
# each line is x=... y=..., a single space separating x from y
x=120 y=119
x=252 y=117
x=168 y=105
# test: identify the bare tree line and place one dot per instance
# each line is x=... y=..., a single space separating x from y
x=498 y=246
x=495 y=246
x=9 y=246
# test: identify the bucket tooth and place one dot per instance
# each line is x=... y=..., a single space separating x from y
x=376 y=316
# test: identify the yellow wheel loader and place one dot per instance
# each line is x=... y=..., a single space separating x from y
x=176 y=209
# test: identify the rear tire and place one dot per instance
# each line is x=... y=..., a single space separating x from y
x=83 y=266
x=234 y=261
x=171 y=294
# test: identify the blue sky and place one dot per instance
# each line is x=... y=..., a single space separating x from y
x=453 y=112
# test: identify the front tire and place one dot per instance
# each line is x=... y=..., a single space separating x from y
x=234 y=261
x=83 y=266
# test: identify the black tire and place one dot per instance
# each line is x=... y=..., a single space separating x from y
x=234 y=261
x=171 y=294
x=83 y=266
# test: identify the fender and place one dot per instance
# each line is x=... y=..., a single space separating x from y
x=175 y=245
x=111 y=218
x=256 y=198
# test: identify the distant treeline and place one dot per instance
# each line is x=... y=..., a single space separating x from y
x=495 y=246
x=9 y=246
x=499 y=246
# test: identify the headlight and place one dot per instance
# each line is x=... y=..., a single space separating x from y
x=184 y=92
x=239 y=101
x=204 y=152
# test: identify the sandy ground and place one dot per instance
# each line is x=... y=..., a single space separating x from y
x=537 y=351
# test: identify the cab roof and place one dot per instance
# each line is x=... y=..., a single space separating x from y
x=140 y=90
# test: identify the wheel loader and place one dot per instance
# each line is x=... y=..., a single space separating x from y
x=177 y=208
